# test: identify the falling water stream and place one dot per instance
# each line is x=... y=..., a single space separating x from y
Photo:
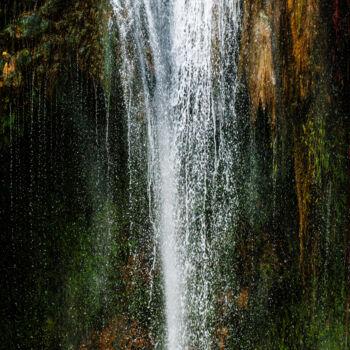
x=179 y=75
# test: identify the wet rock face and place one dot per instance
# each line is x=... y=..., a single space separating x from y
x=282 y=52
x=257 y=57
x=289 y=61
x=42 y=36
x=305 y=27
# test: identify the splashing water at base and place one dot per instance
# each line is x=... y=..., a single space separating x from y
x=179 y=76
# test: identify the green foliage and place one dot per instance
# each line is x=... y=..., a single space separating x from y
x=32 y=25
x=51 y=7
x=24 y=58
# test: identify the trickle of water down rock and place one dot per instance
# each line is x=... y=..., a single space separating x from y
x=179 y=75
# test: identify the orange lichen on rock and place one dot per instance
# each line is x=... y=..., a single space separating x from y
x=284 y=45
x=222 y=334
x=303 y=17
x=108 y=336
x=101 y=340
x=281 y=42
x=131 y=335
x=125 y=332
x=242 y=299
x=308 y=90
x=257 y=58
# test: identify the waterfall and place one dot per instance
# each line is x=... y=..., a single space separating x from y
x=178 y=66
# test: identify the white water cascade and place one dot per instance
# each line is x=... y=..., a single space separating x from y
x=178 y=66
